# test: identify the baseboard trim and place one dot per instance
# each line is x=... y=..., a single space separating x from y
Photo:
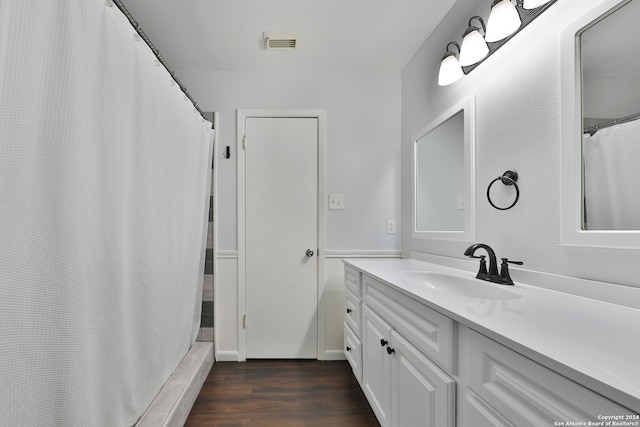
x=334 y=355
x=227 y=356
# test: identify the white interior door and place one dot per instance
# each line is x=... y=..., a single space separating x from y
x=281 y=237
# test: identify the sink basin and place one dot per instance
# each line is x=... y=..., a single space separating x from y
x=469 y=287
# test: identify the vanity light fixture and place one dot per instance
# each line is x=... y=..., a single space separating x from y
x=532 y=4
x=450 y=69
x=504 y=20
x=474 y=48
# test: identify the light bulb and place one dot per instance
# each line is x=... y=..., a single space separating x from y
x=532 y=4
x=450 y=70
x=503 y=21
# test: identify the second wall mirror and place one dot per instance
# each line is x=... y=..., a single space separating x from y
x=611 y=121
x=601 y=127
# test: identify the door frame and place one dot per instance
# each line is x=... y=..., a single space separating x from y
x=241 y=116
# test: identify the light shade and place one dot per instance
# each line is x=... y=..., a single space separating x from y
x=450 y=70
x=473 y=48
x=503 y=21
x=532 y=4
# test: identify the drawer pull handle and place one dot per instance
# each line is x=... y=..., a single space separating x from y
x=390 y=351
x=349 y=310
x=348 y=348
x=383 y=342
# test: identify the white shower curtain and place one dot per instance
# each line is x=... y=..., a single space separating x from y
x=612 y=177
x=104 y=169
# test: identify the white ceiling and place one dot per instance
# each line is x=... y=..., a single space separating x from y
x=335 y=34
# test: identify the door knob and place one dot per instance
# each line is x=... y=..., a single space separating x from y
x=309 y=253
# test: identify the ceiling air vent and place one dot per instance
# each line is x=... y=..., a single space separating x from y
x=281 y=40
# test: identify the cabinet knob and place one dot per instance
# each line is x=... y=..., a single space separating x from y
x=390 y=350
x=348 y=348
x=309 y=253
x=383 y=342
x=349 y=310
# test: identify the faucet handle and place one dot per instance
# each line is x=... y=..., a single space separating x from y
x=504 y=270
x=483 y=265
x=482 y=271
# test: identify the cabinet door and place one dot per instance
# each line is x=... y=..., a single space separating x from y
x=353 y=351
x=422 y=394
x=376 y=364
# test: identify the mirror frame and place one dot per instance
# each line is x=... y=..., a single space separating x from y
x=571 y=232
x=467 y=106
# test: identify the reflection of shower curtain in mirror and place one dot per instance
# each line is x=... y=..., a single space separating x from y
x=612 y=178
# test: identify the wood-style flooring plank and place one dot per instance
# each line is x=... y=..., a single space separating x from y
x=281 y=393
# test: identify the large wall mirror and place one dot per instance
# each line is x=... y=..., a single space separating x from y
x=443 y=175
x=601 y=122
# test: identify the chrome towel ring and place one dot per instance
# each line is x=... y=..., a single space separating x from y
x=507 y=178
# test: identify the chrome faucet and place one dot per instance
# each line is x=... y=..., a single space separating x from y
x=492 y=275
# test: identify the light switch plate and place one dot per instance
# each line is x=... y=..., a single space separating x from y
x=336 y=201
x=391 y=226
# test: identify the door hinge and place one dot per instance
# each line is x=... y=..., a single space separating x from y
x=244 y=322
x=244 y=142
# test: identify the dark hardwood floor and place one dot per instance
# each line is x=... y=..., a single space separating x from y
x=282 y=393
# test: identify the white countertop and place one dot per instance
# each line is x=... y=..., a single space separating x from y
x=592 y=342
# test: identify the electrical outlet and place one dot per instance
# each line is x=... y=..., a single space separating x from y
x=391 y=226
x=336 y=201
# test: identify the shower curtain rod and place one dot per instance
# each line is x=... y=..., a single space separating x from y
x=156 y=52
x=593 y=129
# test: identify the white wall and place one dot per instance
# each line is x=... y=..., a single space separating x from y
x=518 y=127
x=362 y=142
x=362 y=162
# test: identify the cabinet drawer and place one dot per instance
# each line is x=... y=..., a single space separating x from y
x=353 y=312
x=352 y=281
x=353 y=351
x=508 y=386
x=431 y=332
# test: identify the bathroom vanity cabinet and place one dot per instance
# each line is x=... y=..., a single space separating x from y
x=404 y=386
x=399 y=376
x=419 y=366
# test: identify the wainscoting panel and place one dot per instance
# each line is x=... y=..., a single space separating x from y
x=228 y=317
